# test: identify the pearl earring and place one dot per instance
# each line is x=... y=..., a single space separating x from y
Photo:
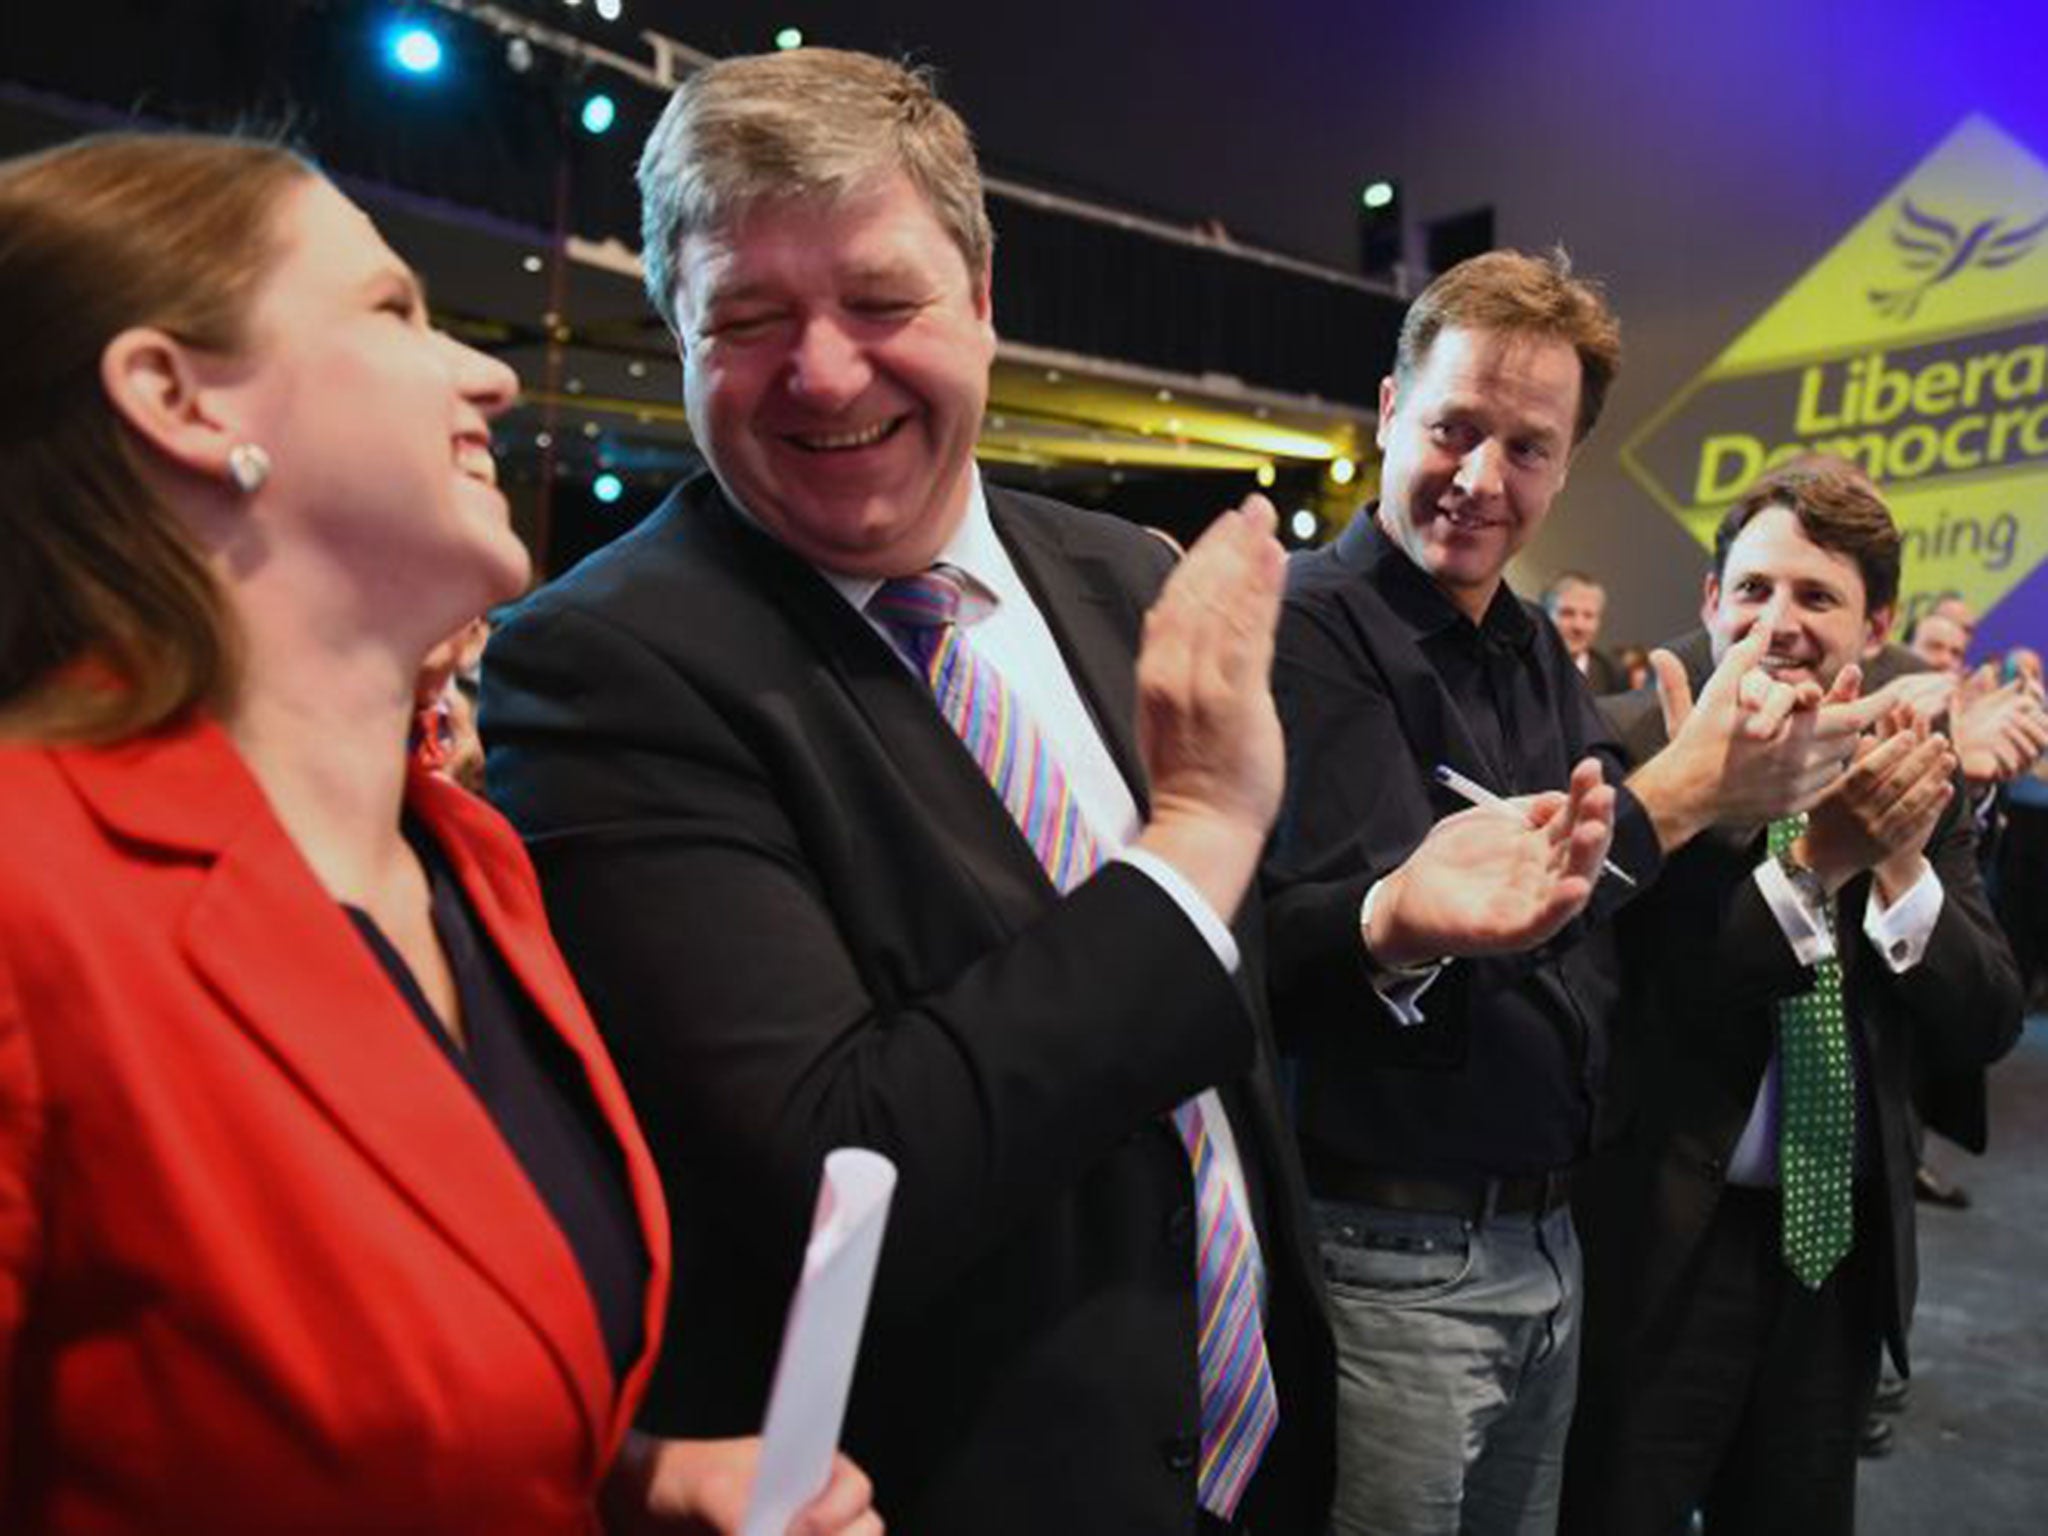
x=248 y=468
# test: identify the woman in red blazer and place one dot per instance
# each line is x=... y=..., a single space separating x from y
x=321 y=1208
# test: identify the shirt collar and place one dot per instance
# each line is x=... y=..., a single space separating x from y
x=973 y=550
x=1412 y=593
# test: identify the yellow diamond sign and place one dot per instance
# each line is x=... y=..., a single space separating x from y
x=1918 y=349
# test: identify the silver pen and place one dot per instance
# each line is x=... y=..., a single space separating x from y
x=1479 y=794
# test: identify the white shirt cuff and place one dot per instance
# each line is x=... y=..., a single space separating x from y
x=1900 y=932
x=1810 y=933
x=1399 y=987
x=1212 y=928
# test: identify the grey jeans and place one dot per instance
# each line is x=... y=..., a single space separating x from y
x=1457 y=1363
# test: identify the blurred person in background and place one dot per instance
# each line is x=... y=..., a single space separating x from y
x=1576 y=604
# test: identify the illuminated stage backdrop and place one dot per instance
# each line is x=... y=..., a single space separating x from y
x=1918 y=349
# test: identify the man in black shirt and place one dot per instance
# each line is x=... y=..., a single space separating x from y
x=1445 y=974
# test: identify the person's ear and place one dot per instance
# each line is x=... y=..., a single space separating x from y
x=154 y=384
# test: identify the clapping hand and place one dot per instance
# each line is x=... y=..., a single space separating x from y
x=1752 y=748
x=1497 y=879
x=1207 y=727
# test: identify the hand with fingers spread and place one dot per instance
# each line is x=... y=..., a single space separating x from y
x=700 y=1488
x=1881 y=812
x=1496 y=879
x=1999 y=733
x=1752 y=748
x=1206 y=723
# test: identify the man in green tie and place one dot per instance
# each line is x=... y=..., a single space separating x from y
x=1749 y=1239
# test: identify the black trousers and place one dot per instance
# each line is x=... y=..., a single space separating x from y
x=1743 y=1400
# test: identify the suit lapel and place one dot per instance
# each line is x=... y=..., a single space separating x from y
x=292 y=972
x=939 y=776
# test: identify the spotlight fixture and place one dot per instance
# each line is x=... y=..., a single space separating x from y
x=788 y=38
x=607 y=487
x=1380 y=235
x=414 y=49
x=599 y=113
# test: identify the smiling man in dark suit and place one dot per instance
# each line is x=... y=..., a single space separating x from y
x=1750 y=1234
x=879 y=806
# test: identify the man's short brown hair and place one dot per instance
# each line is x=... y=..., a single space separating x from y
x=810 y=122
x=1519 y=294
x=1838 y=507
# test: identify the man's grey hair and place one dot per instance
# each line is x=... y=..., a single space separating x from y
x=810 y=122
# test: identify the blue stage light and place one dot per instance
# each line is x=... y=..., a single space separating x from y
x=599 y=112
x=607 y=488
x=414 y=49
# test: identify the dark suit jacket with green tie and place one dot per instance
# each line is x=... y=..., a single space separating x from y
x=1707 y=963
x=803 y=920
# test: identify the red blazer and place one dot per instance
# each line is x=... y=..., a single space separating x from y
x=265 y=1263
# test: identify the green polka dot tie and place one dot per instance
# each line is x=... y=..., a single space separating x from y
x=1817 y=1114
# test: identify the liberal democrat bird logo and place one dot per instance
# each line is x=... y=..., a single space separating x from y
x=1943 y=251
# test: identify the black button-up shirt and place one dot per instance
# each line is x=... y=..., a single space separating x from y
x=1380 y=678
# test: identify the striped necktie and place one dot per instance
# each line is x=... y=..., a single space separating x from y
x=1816 y=1114
x=1240 y=1407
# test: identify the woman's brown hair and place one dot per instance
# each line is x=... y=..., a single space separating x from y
x=110 y=624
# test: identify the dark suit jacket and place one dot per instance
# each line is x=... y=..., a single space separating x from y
x=266 y=1264
x=1604 y=675
x=1709 y=964
x=805 y=921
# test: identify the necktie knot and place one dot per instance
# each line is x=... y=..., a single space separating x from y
x=931 y=599
x=1784 y=832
